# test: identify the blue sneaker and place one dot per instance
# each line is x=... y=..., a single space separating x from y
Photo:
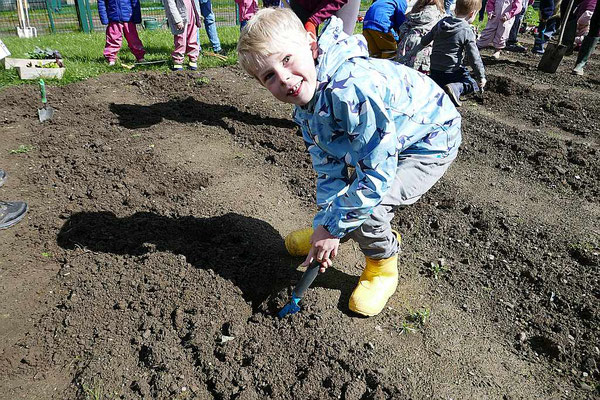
x=193 y=65
x=177 y=67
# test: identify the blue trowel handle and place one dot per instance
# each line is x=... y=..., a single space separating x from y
x=307 y=279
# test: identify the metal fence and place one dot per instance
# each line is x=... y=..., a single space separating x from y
x=52 y=16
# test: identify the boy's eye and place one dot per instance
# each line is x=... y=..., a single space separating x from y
x=286 y=59
x=267 y=76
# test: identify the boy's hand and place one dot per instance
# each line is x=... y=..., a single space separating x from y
x=179 y=25
x=505 y=17
x=324 y=248
x=482 y=83
x=491 y=15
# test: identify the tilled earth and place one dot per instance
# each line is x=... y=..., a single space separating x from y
x=151 y=263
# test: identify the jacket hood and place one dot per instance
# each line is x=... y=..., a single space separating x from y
x=425 y=16
x=336 y=47
x=450 y=25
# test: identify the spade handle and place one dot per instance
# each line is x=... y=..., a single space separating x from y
x=43 y=91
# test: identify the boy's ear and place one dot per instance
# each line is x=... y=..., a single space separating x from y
x=312 y=41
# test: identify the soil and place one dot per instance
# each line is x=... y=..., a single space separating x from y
x=151 y=262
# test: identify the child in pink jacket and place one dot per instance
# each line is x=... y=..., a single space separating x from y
x=247 y=10
x=501 y=17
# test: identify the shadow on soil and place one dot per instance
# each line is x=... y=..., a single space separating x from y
x=190 y=110
x=246 y=251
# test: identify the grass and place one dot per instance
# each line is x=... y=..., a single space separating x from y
x=83 y=57
x=24 y=148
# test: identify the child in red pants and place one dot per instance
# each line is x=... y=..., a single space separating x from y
x=120 y=16
x=184 y=19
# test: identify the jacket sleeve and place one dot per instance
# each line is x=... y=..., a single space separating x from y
x=428 y=38
x=515 y=8
x=371 y=137
x=102 y=12
x=325 y=9
x=136 y=12
x=474 y=57
x=171 y=8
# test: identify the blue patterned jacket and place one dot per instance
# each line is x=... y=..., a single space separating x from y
x=368 y=114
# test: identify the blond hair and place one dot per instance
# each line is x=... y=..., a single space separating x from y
x=464 y=7
x=269 y=31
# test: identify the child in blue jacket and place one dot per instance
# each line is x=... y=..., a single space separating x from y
x=392 y=126
x=380 y=27
x=120 y=16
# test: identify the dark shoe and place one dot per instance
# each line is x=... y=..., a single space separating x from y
x=516 y=48
x=11 y=212
x=453 y=93
x=2 y=177
x=220 y=52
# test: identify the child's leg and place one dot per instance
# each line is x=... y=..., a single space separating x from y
x=502 y=34
x=381 y=45
x=179 y=42
x=466 y=82
x=114 y=38
x=192 y=48
x=415 y=175
x=488 y=33
x=133 y=40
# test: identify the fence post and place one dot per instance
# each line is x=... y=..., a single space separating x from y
x=50 y=16
x=83 y=16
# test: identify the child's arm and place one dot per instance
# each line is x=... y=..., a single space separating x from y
x=367 y=136
x=514 y=9
x=475 y=58
x=324 y=10
x=171 y=7
x=425 y=40
x=102 y=12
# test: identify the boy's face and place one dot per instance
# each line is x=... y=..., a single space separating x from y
x=291 y=75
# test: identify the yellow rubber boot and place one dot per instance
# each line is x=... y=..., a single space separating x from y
x=297 y=243
x=376 y=285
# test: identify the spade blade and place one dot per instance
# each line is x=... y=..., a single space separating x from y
x=45 y=113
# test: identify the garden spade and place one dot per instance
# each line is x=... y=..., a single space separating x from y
x=307 y=279
x=555 y=52
x=47 y=112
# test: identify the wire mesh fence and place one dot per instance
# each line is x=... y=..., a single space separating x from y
x=54 y=16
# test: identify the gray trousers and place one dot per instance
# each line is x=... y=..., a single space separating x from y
x=414 y=177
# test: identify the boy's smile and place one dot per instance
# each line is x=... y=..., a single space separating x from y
x=290 y=75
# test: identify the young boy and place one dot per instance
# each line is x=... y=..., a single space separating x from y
x=453 y=38
x=394 y=127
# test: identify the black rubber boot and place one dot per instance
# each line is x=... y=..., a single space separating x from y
x=586 y=50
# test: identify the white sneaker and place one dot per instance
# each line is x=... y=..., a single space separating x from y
x=111 y=63
x=496 y=55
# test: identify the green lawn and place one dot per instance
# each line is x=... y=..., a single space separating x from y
x=83 y=57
